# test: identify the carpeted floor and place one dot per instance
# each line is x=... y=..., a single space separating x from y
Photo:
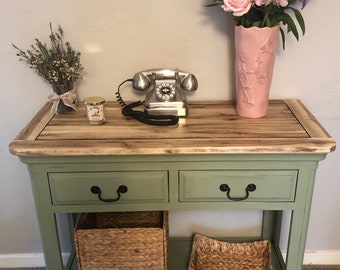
x=322 y=267
x=309 y=267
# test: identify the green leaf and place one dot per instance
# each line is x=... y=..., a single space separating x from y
x=268 y=23
x=283 y=36
x=257 y=23
x=212 y=5
x=291 y=27
x=300 y=20
x=215 y=3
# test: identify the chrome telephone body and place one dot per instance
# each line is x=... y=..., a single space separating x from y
x=165 y=90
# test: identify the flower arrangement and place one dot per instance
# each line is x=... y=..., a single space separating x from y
x=58 y=64
x=265 y=13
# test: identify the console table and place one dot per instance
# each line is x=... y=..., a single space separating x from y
x=212 y=160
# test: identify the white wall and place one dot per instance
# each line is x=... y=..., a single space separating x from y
x=118 y=38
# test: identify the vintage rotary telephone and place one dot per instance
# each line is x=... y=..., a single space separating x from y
x=165 y=100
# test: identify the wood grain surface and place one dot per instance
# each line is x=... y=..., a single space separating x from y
x=210 y=127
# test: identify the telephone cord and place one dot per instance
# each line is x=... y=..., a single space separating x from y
x=118 y=96
x=159 y=120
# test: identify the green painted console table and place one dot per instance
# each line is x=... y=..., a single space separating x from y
x=212 y=160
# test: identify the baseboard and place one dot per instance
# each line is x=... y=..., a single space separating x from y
x=320 y=257
x=25 y=260
x=37 y=259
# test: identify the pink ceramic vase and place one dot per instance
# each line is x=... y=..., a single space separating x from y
x=255 y=56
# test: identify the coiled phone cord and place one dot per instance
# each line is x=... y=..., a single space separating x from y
x=158 y=120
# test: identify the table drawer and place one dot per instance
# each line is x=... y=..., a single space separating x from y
x=254 y=185
x=83 y=187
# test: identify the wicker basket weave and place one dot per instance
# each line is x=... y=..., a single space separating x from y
x=210 y=254
x=122 y=241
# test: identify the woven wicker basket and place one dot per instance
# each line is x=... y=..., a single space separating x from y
x=210 y=254
x=122 y=241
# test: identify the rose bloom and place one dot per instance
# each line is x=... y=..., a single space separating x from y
x=238 y=7
x=262 y=2
x=282 y=3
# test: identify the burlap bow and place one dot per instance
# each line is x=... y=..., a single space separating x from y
x=68 y=99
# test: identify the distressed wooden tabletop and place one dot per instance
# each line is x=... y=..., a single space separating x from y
x=210 y=127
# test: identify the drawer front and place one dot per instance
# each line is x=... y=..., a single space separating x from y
x=254 y=185
x=142 y=187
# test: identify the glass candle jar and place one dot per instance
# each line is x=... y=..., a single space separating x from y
x=95 y=110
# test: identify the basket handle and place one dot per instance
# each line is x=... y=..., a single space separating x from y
x=248 y=189
x=97 y=190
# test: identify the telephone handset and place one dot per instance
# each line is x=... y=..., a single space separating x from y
x=165 y=98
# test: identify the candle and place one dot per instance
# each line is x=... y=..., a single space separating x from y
x=95 y=110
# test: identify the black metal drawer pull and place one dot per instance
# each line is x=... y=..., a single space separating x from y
x=97 y=190
x=249 y=188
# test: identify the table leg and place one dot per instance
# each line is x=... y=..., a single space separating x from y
x=47 y=220
x=50 y=241
x=271 y=226
x=297 y=239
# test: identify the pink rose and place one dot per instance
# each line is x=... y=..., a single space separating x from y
x=282 y=3
x=262 y=2
x=238 y=7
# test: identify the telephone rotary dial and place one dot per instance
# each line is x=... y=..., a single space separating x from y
x=165 y=90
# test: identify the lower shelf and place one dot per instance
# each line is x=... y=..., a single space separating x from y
x=179 y=255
